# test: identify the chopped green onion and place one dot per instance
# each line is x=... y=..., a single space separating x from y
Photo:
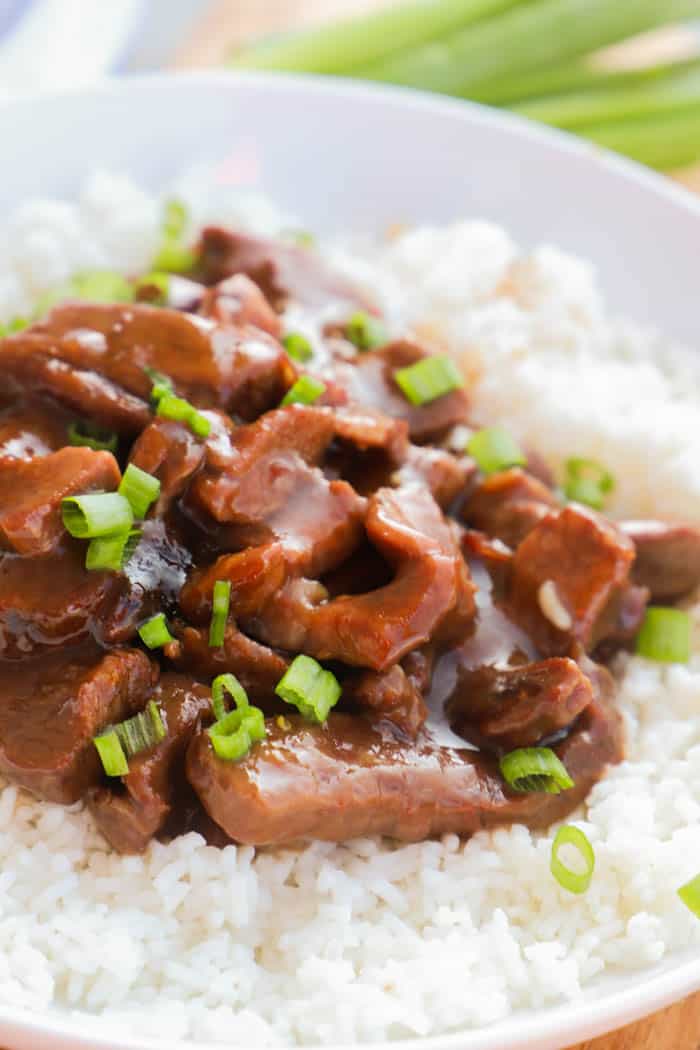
x=140 y=489
x=174 y=258
x=143 y=731
x=309 y=688
x=690 y=895
x=665 y=635
x=495 y=449
x=17 y=324
x=304 y=238
x=112 y=756
x=305 y=391
x=535 y=769
x=111 y=553
x=96 y=514
x=153 y=287
x=101 y=286
x=220 y=607
x=175 y=217
x=162 y=384
x=366 y=332
x=573 y=881
x=429 y=379
x=181 y=411
x=297 y=346
x=154 y=632
x=587 y=481
x=85 y=434
x=227 y=683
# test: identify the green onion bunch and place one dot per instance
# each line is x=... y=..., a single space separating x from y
x=540 y=58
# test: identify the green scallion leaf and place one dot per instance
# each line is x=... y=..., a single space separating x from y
x=140 y=489
x=220 y=606
x=96 y=514
x=311 y=689
x=111 y=553
x=690 y=895
x=162 y=384
x=495 y=449
x=154 y=633
x=181 y=411
x=227 y=683
x=141 y=732
x=428 y=379
x=101 y=286
x=90 y=436
x=587 y=481
x=173 y=257
x=233 y=734
x=366 y=332
x=297 y=346
x=14 y=325
x=305 y=391
x=573 y=881
x=665 y=635
x=112 y=756
x=531 y=769
x=175 y=218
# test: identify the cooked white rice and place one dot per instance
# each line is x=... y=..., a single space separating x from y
x=369 y=941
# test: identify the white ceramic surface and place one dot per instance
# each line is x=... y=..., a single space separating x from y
x=347 y=156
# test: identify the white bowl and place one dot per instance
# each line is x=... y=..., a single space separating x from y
x=352 y=157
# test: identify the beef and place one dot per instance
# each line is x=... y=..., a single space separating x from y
x=504 y=708
x=350 y=778
x=447 y=477
x=508 y=505
x=283 y=272
x=173 y=454
x=256 y=667
x=429 y=593
x=568 y=579
x=32 y=427
x=668 y=558
x=239 y=301
x=132 y=814
x=52 y=707
x=31 y=492
x=395 y=694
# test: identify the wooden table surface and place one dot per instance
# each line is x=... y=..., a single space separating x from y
x=227 y=23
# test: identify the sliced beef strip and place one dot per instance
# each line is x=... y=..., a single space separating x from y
x=239 y=301
x=568 y=579
x=31 y=492
x=668 y=558
x=52 y=707
x=504 y=708
x=508 y=505
x=395 y=694
x=33 y=363
x=370 y=382
x=257 y=667
x=133 y=814
x=283 y=272
x=32 y=427
x=173 y=454
x=349 y=779
x=430 y=591
x=243 y=370
x=447 y=476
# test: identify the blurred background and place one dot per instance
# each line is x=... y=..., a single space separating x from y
x=621 y=73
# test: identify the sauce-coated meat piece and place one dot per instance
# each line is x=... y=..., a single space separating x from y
x=173 y=454
x=32 y=427
x=283 y=272
x=668 y=558
x=31 y=492
x=131 y=815
x=568 y=579
x=238 y=300
x=508 y=505
x=52 y=707
x=349 y=778
x=430 y=592
x=394 y=694
x=256 y=667
x=503 y=708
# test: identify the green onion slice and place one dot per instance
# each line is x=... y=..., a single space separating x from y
x=311 y=689
x=227 y=683
x=143 y=731
x=181 y=411
x=140 y=489
x=429 y=379
x=305 y=391
x=219 y=616
x=175 y=218
x=154 y=633
x=690 y=895
x=665 y=635
x=111 y=754
x=297 y=346
x=366 y=332
x=495 y=449
x=535 y=769
x=587 y=481
x=573 y=881
x=96 y=514
x=111 y=553
x=15 y=324
x=162 y=384
x=90 y=436
x=101 y=286
x=174 y=257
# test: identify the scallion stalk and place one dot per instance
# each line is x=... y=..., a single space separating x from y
x=495 y=449
x=304 y=391
x=154 y=633
x=140 y=489
x=573 y=881
x=311 y=689
x=96 y=514
x=535 y=769
x=220 y=605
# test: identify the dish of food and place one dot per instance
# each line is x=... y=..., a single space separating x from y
x=320 y=602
